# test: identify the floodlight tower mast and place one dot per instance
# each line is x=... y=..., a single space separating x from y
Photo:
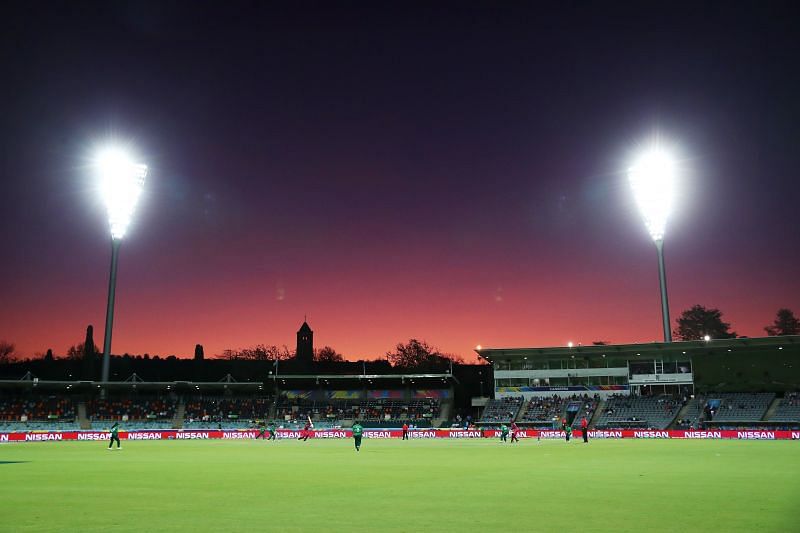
x=652 y=179
x=121 y=183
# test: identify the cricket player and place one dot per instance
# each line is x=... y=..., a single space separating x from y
x=567 y=432
x=358 y=431
x=262 y=430
x=504 y=433
x=585 y=430
x=114 y=431
x=405 y=431
x=514 y=432
x=272 y=431
x=306 y=432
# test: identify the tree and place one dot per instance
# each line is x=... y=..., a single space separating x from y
x=419 y=354
x=259 y=352
x=785 y=324
x=327 y=355
x=7 y=352
x=697 y=322
x=77 y=351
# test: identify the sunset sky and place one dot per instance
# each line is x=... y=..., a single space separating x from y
x=450 y=173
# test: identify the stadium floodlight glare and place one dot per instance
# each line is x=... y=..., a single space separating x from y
x=653 y=180
x=121 y=181
x=707 y=338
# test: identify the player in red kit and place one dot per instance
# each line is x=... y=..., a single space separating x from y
x=514 y=431
x=306 y=431
x=585 y=429
x=405 y=431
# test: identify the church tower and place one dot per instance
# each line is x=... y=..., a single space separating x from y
x=305 y=344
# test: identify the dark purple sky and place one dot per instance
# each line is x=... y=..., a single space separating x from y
x=444 y=172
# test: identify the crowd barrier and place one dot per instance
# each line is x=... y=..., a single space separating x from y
x=396 y=434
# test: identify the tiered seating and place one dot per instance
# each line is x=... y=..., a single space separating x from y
x=143 y=409
x=694 y=415
x=336 y=410
x=788 y=409
x=229 y=410
x=586 y=409
x=500 y=411
x=655 y=412
x=543 y=410
x=741 y=407
x=44 y=408
x=333 y=411
x=398 y=410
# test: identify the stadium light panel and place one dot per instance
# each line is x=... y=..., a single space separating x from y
x=653 y=180
x=121 y=183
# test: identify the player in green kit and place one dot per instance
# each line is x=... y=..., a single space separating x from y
x=504 y=433
x=272 y=431
x=114 y=435
x=358 y=431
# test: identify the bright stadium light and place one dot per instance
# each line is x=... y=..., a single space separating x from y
x=120 y=181
x=653 y=180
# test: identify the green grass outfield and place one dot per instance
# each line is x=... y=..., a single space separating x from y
x=391 y=485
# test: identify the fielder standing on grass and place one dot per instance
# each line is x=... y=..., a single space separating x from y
x=272 y=431
x=585 y=429
x=114 y=435
x=358 y=431
x=504 y=433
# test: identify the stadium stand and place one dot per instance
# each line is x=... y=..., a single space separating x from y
x=788 y=409
x=37 y=409
x=586 y=409
x=135 y=413
x=543 y=410
x=204 y=412
x=501 y=411
x=655 y=412
x=392 y=411
x=44 y=413
x=693 y=416
x=739 y=407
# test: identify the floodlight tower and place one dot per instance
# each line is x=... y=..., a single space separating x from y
x=652 y=177
x=120 y=182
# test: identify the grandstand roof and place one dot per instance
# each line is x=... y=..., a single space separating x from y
x=76 y=386
x=653 y=349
